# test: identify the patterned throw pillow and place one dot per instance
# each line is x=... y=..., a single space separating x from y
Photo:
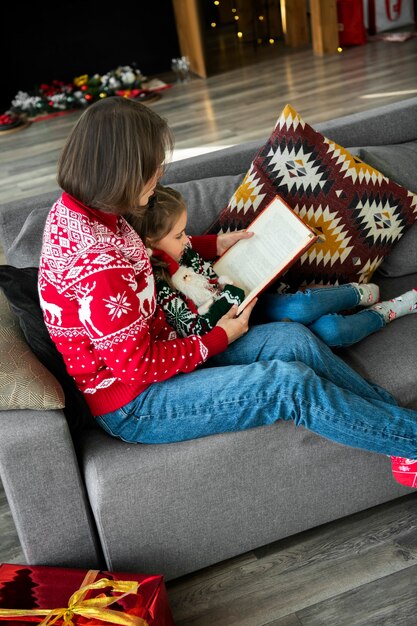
x=358 y=213
x=20 y=287
x=24 y=382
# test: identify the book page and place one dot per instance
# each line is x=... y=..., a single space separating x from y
x=279 y=236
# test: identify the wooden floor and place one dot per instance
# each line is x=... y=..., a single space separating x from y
x=361 y=570
x=235 y=106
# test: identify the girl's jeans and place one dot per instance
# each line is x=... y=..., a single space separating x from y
x=275 y=371
x=317 y=308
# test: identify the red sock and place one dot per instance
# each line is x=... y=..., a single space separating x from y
x=404 y=471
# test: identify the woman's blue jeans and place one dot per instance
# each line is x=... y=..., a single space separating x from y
x=317 y=308
x=277 y=371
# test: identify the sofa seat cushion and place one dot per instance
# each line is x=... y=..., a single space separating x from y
x=358 y=213
x=178 y=507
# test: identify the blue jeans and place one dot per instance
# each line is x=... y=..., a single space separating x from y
x=275 y=371
x=317 y=309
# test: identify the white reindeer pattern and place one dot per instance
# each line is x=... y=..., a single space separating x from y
x=84 y=298
x=146 y=296
x=53 y=310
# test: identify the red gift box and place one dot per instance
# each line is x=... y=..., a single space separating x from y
x=66 y=597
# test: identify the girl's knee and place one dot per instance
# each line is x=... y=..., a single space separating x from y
x=332 y=330
x=299 y=307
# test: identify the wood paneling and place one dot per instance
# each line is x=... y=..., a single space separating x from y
x=324 y=26
x=295 y=22
x=188 y=23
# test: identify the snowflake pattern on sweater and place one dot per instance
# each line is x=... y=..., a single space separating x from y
x=97 y=293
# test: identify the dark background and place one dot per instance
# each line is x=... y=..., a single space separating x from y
x=47 y=41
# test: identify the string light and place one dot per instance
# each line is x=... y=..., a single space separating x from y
x=216 y=2
x=213 y=24
x=340 y=49
x=234 y=10
x=261 y=18
x=271 y=41
x=236 y=17
x=240 y=34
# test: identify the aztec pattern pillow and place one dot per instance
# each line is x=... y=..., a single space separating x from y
x=357 y=212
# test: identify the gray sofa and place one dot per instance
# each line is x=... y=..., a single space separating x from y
x=81 y=498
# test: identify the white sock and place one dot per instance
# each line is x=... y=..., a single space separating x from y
x=397 y=307
x=369 y=294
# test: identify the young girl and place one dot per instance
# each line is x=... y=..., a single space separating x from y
x=177 y=266
x=189 y=291
x=162 y=228
x=98 y=298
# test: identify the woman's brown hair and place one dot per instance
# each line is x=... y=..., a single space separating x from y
x=114 y=149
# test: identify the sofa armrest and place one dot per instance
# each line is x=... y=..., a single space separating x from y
x=44 y=489
x=38 y=464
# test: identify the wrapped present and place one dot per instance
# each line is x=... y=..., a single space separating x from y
x=74 y=597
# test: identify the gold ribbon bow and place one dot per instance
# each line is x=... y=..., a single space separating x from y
x=94 y=608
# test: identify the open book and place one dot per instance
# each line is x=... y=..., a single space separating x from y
x=280 y=238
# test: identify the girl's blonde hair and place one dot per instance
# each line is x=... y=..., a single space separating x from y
x=157 y=220
x=114 y=149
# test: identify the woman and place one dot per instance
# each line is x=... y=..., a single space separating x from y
x=142 y=382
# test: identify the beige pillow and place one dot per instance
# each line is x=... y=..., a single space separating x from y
x=24 y=382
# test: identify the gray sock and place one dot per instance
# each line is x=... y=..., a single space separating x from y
x=369 y=294
x=402 y=305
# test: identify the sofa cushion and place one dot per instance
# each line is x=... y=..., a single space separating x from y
x=397 y=162
x=358 y=213
x=25 y=251
x=13 y=217
x=402 y=259
x=20 y=288
x=205 y=198
x=24 y=382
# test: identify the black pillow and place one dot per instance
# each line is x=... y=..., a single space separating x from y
x=20 y=286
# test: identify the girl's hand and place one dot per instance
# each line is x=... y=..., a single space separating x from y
x=234 y=326
x=226 y=240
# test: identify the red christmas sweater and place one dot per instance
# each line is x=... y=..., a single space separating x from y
x=97 y=293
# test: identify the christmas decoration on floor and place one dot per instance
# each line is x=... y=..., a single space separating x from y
x=59 y=96
x=10 y=123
